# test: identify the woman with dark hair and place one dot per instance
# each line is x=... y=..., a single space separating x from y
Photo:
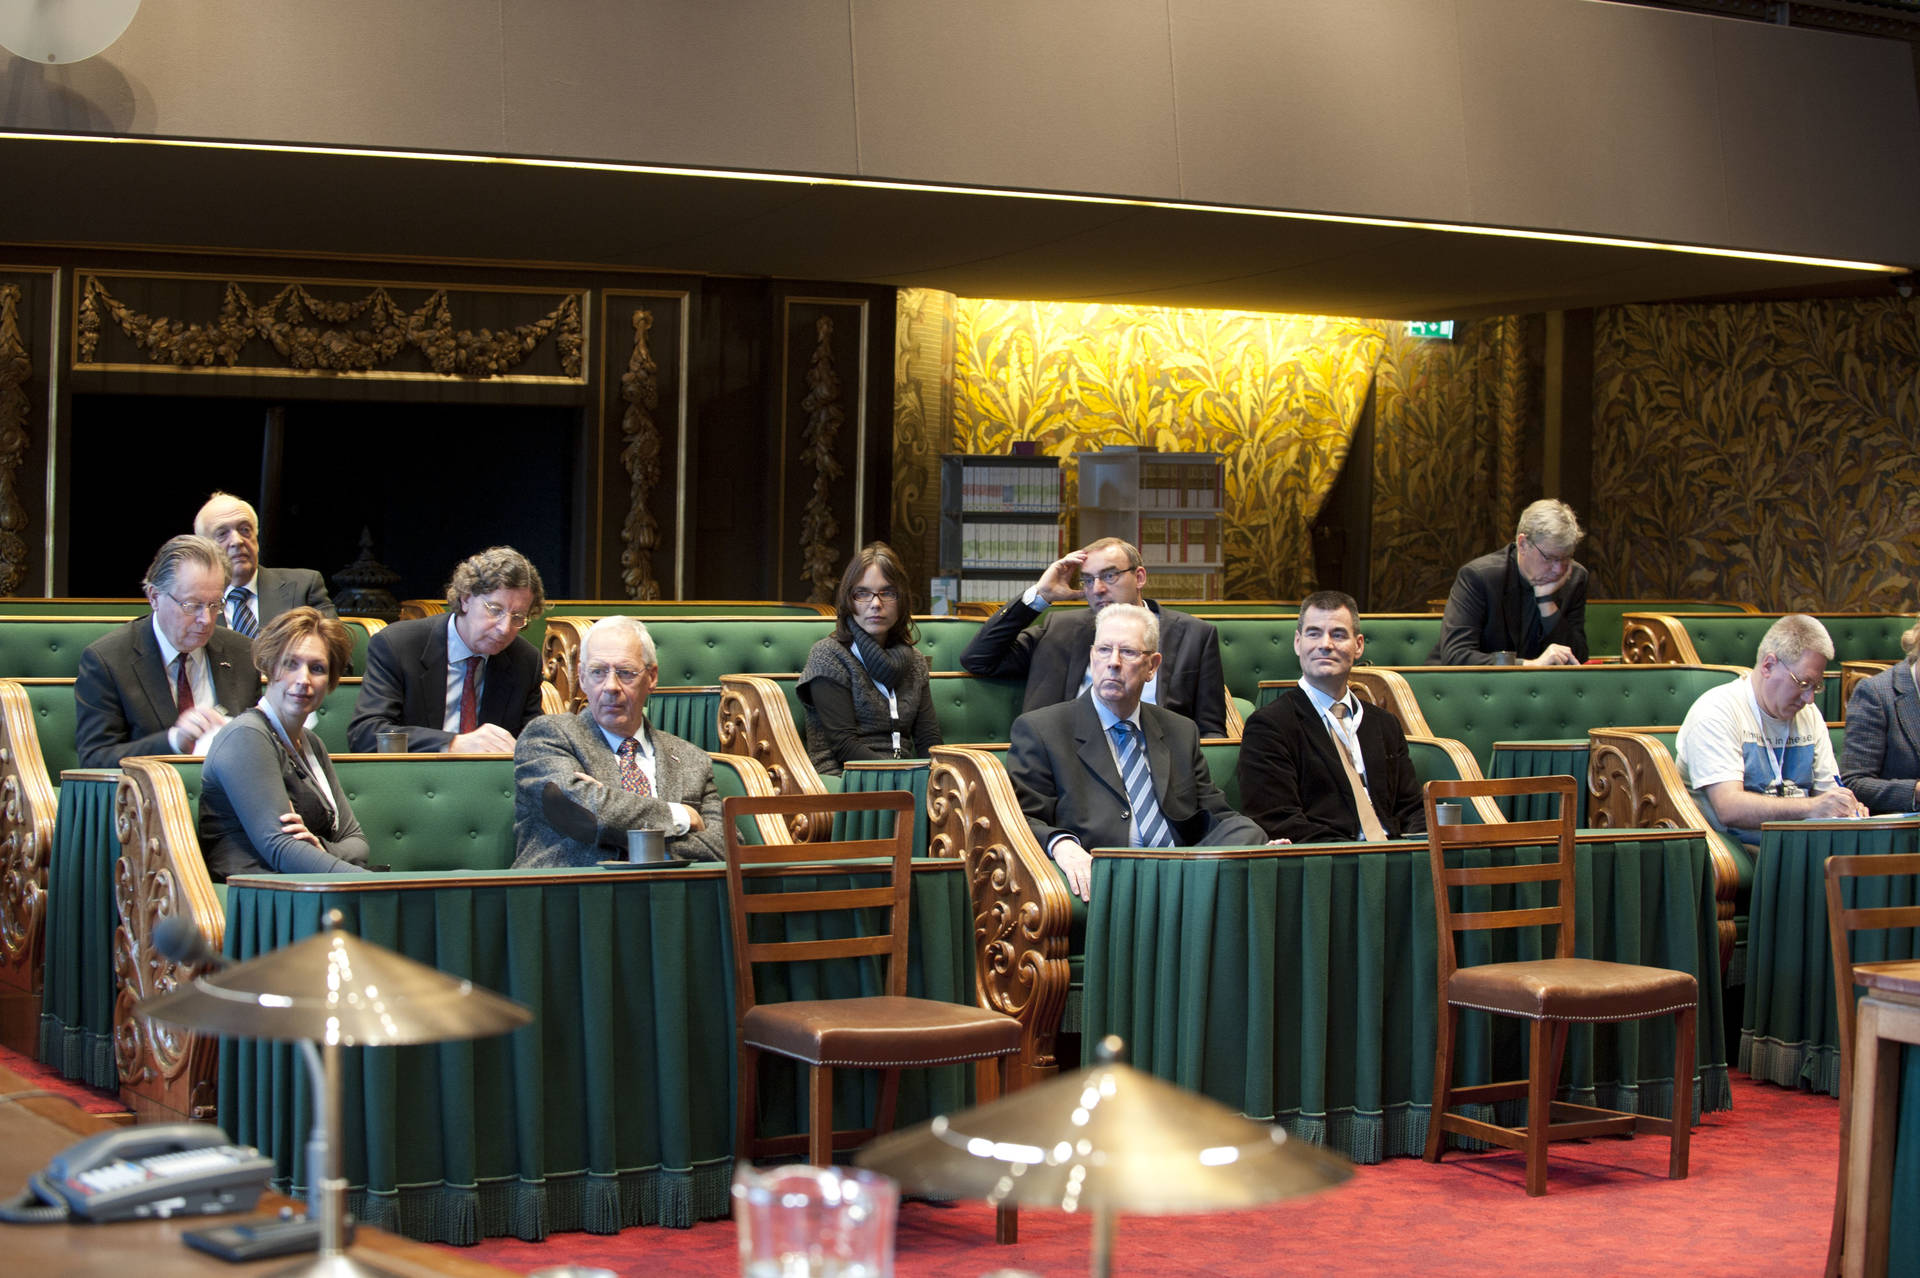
x=865 y=685
x=269 y=799
x=1881 y=760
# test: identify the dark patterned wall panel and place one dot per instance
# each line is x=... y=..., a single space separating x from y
x=26 y=411
x=1766 y=452
x=640 y=460
x=922 y=420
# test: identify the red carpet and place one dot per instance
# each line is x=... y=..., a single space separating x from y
x=46 y=1078
x=1758 y=1197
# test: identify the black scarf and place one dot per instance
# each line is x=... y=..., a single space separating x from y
x=887 y=665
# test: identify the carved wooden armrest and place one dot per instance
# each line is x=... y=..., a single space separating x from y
x=1649 y=638
x=1467 y=768
x=1378 y=686
x=560 y=659
x=1020 y=906
x=756 y=721
x=163 y=1067
x=27 y=809
x=1851 y=675
x=1633 y=783
x=552 y=700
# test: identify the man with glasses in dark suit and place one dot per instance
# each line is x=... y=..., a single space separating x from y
x=1052 y=656
x=463 y=683
x=165 y=683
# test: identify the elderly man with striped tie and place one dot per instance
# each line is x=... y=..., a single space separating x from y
x=1108 y=770
x=255 y=595
x=581 y=781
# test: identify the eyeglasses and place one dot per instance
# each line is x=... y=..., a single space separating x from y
x=1809 y=689
x=195 y=610
x=1106 y=578
x=1555 y=560
x=886 y=594
x=518 y=620
x=600 y=672
x=1107 y=652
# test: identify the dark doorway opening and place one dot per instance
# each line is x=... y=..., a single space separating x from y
x=432 y=482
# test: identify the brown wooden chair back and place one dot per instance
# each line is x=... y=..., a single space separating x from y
x=746 y=861
x=1444 y=838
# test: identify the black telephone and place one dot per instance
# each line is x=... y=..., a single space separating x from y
x=138 y=1173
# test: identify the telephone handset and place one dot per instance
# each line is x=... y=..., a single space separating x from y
x=144 y=1172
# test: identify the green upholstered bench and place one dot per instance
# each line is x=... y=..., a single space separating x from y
x=1734 y=639
x=1605 y=618
x=50 y=647
x=1259 y=648
x=422 y=813
x=31 y=606
x=694 y=652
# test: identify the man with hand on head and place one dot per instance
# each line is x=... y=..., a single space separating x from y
x=582 y=781
x=1317 y=764
x=1111 y=770
x=1052 y=657
x=1757 y=749
x=463 y=683
x=255 y=595
x=1529 y=599
x=164 y=684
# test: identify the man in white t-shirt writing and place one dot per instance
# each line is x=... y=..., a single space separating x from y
x=1756 y=749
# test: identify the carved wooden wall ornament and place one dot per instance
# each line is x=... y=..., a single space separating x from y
x=309 y=333
x=640 y=454
x=15 y=369
x=27 y=809
x=819 y=551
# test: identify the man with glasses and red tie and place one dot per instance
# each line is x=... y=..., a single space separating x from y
x=1757 y=749
x=1319 y=765
x=165 y=683
x=1526 y=604
x=1110 y=770
x=1052 y=656
x=465 y=682
x=582 y=781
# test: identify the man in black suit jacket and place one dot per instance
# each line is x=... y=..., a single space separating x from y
x=464 y=683
x=1292 y=780
x=162 y=683
x=1065 y=762
x=260 y=594
x=1052 y=657
x=1529 y=599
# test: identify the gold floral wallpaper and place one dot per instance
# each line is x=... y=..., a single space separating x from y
x=1768 y=452
x=1277 y=395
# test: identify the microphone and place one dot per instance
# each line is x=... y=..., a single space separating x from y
x=178 y=939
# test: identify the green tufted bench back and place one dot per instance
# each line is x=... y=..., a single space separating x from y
x=27 y=606
x=698 y=650
x=647 y=610
x=50 y=647
x=1260 y=647
x=1732 y=640
x=1605 y=617
x=1479 y=705
x=52 y=702
x=420 y=812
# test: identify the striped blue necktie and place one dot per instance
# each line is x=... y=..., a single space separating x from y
x=243 y=620
x=1148 y=820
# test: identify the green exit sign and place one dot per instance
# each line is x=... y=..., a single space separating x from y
x=1442 y=329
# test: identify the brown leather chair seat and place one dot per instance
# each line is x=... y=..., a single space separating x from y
x=879 y=1032
x=1573 y=990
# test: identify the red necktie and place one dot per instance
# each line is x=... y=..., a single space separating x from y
x=470 y=697
x=183 y=686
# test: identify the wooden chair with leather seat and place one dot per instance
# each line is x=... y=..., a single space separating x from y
x=887 y=1032
x=1842 y=922
x=1551 y=993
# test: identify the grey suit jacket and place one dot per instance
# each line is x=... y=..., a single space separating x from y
x=284 y=589
x=1063 y=772
x=406 y=686
x=123 y=699
x=250 y=778
x=1882 y=756
x=555 y=746
x=1052 y=658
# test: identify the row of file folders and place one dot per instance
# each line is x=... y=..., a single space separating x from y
x=1011 y=488
x=990 y=545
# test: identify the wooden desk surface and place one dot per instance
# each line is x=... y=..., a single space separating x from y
x=33 y=1131
x=1901 y=978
